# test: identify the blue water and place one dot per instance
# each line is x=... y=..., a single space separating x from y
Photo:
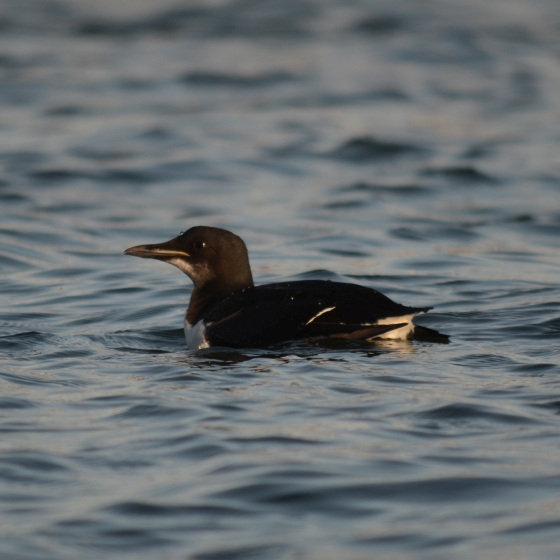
x=410 y=146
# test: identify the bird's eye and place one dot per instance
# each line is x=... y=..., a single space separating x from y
x=181 y=232
x=199 y=244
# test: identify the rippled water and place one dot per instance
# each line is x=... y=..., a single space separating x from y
x=410 y=146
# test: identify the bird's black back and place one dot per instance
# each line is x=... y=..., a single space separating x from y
x=273 y=313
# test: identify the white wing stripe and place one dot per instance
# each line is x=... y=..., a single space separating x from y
x=319 y=314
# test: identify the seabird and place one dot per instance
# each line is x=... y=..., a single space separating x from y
x=227 y=309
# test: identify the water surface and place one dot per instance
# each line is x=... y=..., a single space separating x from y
x=407 y=146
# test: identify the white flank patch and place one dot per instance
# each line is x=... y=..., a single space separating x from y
x=196 y=335
x=395 y=320
x=319 y=314
x=402 y=332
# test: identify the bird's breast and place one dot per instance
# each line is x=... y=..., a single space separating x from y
x=196 y=335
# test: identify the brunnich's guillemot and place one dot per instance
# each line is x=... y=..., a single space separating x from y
x=227 y=309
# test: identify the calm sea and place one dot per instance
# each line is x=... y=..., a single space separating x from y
x=412 y=146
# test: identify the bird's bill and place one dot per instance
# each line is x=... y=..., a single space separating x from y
x=164 y=251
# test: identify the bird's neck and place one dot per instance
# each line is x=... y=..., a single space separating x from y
x=211 y=292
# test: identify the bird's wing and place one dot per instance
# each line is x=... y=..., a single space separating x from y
x=353 y=304
x=262 y=323
x=275 y=313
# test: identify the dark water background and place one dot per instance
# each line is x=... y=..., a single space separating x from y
x=411 y=146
